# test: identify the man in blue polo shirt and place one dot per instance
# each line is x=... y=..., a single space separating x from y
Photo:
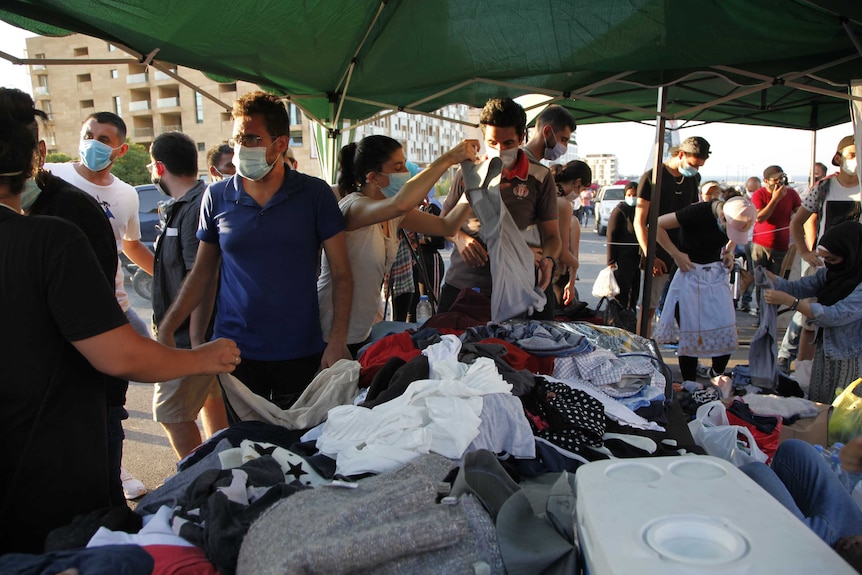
x=261 y=231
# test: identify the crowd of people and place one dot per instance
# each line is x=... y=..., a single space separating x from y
x=273 y=275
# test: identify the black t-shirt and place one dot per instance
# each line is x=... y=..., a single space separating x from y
x=176 y=249
x=622 y=241
x=52 y=401
x=700 y=236
x=675 y=195
x=61 y=199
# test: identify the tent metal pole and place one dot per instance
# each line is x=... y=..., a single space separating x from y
x=813 y=158
x=535 y=90
x=853 y=38
x=812 y=89
x=728 y=98
x=374 y=20
x=655 y=201
x=375 y=117
x=409 y=111
x=458 y=86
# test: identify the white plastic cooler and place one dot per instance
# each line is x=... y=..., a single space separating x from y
x=692 y=514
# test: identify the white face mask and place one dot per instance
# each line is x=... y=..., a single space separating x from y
x=507 y=156
x=631 y=200
x=848 y=166
x=251 y=163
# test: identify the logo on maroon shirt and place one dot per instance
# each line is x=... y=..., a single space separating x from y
x=521 y=191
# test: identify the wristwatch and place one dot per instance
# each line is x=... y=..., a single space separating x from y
x=795 y=305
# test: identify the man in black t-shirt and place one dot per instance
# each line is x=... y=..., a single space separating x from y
x=679 y=188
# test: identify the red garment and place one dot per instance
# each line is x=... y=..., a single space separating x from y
x=378 y=353
x=520 y=359
x=179 y=560
x=767 y=442
x=774 y=232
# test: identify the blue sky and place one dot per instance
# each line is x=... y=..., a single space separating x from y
x=737 y=151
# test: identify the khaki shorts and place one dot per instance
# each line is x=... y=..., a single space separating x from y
x=658 y=283
x=180 y=400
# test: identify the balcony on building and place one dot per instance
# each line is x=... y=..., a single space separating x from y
x=139 y=106
x=142 y=128
x=171 y=102
x=42 y=91
x=171 y=123
x=140 y=78
x=160 y=76
x=137 y=74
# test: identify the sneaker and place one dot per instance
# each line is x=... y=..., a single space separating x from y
x=754 y=312
x=132 y=487
x=783 y=364
x=706 y=372
x=746 y=307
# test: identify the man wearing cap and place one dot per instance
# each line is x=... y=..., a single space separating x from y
x=776 y=204
x=833 y=200
x=679 y=189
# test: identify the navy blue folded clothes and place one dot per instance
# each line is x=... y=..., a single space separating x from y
x=220 y=505
x=108 y=560
x=539 y=338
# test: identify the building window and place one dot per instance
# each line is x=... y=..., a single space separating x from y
x=46 y=107
x=83 y=78
x=81 y=52
x=295 y=115
x=114 y=74
x=199 y=108
x=118 y=106
x=202 y=147
x=111 y=47
x=87 y=104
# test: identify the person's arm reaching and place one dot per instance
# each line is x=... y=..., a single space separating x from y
x=640 y=225
x=797 y=231
x=123 y=353
x=368 y=211
x=193 y=291
x=342 y=299
x=670 y=222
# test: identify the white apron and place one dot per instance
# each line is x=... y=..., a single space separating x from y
x=707 y=318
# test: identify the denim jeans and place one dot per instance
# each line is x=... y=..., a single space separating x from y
x=802 y=481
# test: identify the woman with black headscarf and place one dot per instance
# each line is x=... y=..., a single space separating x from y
x=837 y=310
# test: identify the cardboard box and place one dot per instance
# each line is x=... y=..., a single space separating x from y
x=810 y=429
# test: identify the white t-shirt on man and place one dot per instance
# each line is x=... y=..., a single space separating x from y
x=120 y=202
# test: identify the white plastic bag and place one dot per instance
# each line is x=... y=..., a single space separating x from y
x=734 y=443
x=606 y=283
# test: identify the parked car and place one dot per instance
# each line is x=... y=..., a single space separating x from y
x=606 y=201
x=148 y=212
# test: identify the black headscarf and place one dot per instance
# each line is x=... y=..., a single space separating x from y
x=845 y=240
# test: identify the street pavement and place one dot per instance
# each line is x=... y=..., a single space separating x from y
x=149 y=457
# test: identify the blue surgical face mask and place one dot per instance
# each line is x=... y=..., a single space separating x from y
x=95 y=155
x=251 y=163
x=554 y=149
x=631 y=200
x=30 y=194
x=396 y=182
x=685 y=169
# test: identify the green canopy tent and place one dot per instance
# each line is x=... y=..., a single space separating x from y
x=771 y=62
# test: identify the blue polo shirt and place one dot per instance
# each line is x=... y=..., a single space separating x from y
x=267 y=301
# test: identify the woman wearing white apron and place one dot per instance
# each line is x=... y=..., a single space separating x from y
x=704 y=318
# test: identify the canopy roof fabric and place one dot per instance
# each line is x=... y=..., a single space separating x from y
x=777 y=62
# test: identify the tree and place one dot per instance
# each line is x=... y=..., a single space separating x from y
x=57 y=158
x=132 y=167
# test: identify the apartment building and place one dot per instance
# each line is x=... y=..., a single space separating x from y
x=604 y=167
x=152 y=102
